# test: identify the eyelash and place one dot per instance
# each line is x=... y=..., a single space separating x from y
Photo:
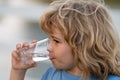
x=56 y=41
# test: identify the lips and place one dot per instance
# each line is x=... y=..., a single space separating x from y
x=52 y=58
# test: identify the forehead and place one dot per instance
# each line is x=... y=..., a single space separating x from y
x=55 y=31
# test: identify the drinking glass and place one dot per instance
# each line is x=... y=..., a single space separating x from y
x=35 y=51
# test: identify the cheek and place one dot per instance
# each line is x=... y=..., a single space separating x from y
x=65 y=53
x=66 y=58
x=68 y=62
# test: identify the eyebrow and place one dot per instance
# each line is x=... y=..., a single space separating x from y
x=55 y=37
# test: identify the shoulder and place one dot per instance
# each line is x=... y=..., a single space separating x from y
x=113 y=77
x=50 y=71
x=110 y=77
x=50 y=74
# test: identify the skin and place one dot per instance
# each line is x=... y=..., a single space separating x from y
x=60 y=54
x=19 y=69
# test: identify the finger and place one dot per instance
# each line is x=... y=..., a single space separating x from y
x=34 y=41
x=33 y=45
x=25 y=45
x=18 y=47
x=33 y=64
x=15 y=55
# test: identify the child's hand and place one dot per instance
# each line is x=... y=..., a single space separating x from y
x=18 y=69
x=17 y=64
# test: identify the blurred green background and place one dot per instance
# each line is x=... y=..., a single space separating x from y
x=112 y=3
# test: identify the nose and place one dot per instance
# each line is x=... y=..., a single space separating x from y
x=49 y=48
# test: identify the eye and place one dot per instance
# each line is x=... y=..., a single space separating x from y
x=56 y=41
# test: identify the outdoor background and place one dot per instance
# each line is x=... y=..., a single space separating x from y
x=19 y=22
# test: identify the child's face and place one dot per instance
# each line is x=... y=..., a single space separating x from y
x=59 y=51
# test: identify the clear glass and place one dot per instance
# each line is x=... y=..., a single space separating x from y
x=35 y=51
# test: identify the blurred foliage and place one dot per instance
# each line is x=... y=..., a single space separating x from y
x=112 y=3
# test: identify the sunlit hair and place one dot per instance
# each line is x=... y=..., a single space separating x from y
x=89 y=30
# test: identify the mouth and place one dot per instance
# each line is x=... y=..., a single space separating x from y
x=52 y=58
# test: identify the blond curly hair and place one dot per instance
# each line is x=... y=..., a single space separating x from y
x=88 y=28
